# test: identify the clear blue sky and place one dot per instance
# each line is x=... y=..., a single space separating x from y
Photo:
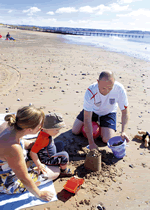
x=99 y=14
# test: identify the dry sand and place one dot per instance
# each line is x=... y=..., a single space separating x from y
x=40 y=68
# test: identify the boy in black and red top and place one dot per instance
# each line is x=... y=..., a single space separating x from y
x=45 y=151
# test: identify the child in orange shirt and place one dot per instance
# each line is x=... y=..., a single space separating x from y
x=45 y=151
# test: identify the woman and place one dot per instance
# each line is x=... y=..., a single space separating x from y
x=15 y=177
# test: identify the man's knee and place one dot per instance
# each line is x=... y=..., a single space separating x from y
x=106 y=134
x=76 y=129
x=105 y=140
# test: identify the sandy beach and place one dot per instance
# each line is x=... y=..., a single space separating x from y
x=40 y=68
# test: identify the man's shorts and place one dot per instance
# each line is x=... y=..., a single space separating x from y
x=108 y=120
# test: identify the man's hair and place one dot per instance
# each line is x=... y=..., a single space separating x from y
x=108 y=75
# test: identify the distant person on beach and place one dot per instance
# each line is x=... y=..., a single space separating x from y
x=8 y=37
x=17 y=175
x=47 y=152
x=101 y=101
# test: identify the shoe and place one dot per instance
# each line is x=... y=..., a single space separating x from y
x=66 y=173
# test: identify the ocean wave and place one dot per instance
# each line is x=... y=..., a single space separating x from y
x=136 y=47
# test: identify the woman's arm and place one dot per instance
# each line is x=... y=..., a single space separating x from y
x=14 y=157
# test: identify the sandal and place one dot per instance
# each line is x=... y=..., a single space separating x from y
x=66 y=173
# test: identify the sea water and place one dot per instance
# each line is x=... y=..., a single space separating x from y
x=135 y=47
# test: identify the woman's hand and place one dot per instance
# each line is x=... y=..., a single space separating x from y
x=46 y=195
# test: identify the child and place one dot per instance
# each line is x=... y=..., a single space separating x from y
x=45 y=151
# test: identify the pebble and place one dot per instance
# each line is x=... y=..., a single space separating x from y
x=63 y=91
x=87 y=202
x=128 y=197
x=18 y=99
x=131 y=166
x=7 y=108
x=42 y=107
x=100 y=207
x=144 y=165
x=30 y=104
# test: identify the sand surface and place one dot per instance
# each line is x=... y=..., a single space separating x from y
x=40 y=68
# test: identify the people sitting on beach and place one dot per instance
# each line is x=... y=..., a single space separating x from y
x=47 y=152
x=8 y=37
x=17 y=176
x=100 y=104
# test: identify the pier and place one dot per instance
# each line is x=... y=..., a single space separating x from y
x=88 y=33
x=82 y=32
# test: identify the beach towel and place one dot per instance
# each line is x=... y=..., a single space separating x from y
x=26 y=199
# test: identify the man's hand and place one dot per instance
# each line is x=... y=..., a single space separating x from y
x=124 y=136
x=93 y=146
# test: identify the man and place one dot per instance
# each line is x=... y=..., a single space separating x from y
x=101 y=101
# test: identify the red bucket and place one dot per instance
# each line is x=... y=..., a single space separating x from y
x=96 y=130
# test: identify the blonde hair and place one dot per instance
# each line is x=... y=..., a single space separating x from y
x=26 y=117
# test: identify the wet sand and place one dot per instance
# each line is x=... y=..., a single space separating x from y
x=40 y=68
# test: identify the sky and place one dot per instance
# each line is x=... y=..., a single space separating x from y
x=96 y=14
